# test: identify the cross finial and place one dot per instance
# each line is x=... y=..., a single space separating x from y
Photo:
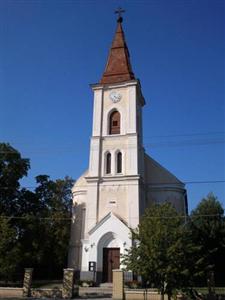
x=119 y=11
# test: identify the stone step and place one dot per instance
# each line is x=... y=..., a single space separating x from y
x=92 y=292
x=106 y=285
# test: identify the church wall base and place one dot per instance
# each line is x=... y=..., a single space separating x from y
x=97 y=277
x=86 y=275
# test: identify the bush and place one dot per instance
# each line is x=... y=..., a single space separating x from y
x=86 y=283
x=133 y=284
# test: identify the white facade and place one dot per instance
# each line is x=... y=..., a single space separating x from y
x=107 y=205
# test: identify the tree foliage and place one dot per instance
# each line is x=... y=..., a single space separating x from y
x=12 y=168
x=163 y=252
x=34 y=225
x=56 y=200
x=178 y=252
x=208 y=231
x=9 y=253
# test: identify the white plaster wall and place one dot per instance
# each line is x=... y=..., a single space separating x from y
x=113 y=192
x=77 y=229
x=94 y=157
x=162 y=194
x=132 y=155
x=163 y=186
x=133 y=204
x=92 y=206
x=85 y=255
x=131 y=110
x=97 y=113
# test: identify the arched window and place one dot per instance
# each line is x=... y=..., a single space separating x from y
x=119 y=163
x=114 y=123
x=108 y=163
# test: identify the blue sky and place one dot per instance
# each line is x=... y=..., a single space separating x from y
x=52 y=50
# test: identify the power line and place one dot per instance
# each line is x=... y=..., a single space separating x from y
x=185 y=134
x=132 y=184
x=79 y=218
x=34 y=217
x=163 y=144
x=161 y=136
x=185 y=216
x=186 y=143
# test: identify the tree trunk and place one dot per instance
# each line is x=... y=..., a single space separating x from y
x=162 y=294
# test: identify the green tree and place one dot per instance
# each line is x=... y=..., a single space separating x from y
x=37 y=232
x=29 y=229
x=44 y=226
x=208 y=231
x=9 y=253
x=55 y=198
x=12 y=168
x=163 y=252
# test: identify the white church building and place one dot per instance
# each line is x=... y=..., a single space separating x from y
x=121 y=180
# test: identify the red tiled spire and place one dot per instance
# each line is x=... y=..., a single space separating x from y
x=118 y=67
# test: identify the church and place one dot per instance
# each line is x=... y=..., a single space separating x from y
x=121 y=180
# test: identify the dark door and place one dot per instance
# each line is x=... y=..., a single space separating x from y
x=111 y=261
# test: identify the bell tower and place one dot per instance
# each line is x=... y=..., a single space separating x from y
x=116 y=163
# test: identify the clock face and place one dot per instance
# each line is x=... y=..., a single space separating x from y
x=115 y=96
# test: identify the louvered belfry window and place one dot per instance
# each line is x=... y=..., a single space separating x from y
x=114 y=123
x=108 y=163
x=119 y=163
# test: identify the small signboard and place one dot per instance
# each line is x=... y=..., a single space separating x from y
x=92 y=266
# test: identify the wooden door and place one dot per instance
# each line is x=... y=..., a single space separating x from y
x=111 y=261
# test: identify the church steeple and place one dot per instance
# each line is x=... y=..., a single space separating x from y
x=118 y=67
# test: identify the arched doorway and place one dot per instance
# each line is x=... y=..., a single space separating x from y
x=109 y=255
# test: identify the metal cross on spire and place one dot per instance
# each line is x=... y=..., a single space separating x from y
x=119 y=11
